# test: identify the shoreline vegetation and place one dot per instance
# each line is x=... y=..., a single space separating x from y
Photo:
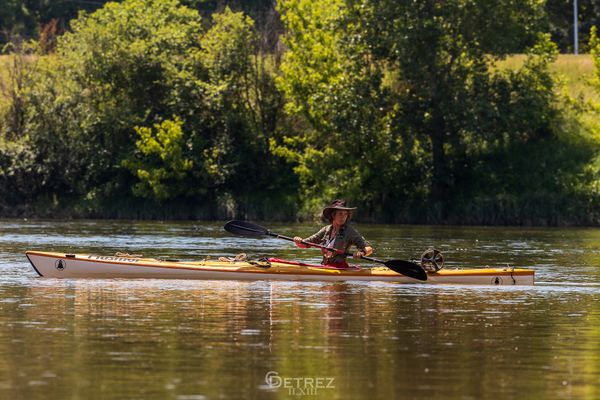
x=149 y=109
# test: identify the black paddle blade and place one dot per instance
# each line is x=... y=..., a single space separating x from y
x=407 y=268
x=243 y=228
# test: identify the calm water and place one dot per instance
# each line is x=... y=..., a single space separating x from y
x=161 y=339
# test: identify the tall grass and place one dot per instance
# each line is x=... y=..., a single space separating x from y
x=575 y=72
x=7 y=66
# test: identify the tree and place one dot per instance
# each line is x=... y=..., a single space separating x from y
x=24 y=18
x=402 y=101
x=560 y=22
x=123 y=66
x=442 y=52
x=246 y=112
x=336 y=102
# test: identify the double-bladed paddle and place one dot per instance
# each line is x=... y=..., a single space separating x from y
x=247 y=229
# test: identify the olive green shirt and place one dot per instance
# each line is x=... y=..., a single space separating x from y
x=346 y=237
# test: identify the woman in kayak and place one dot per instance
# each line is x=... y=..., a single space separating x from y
x=339 y=235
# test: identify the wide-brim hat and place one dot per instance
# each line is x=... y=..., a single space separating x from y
x=337 y=204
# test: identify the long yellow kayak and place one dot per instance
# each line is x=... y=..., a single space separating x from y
x=61 y=265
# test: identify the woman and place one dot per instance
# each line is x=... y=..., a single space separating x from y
x=339 y=235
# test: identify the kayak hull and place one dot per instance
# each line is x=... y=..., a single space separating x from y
x=61 y=265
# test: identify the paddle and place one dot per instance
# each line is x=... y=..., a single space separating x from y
x=247 y=229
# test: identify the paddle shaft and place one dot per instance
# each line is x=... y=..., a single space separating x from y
x=338 y=251
x=306 y=243
x=267 y=232
x=252 y=230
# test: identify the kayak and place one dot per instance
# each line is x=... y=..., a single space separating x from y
x=61 y=265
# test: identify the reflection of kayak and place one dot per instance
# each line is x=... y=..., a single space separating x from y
x=61 y=265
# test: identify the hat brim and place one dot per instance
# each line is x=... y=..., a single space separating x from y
x=328 y=211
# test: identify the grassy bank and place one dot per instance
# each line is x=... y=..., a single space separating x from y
x=8 y=64
x=575 y=72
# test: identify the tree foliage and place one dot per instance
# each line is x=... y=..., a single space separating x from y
x=162 y=146
x=401 y=107
x=560 y=22
x=138 y=93
x=28 y=18
x=403 y=104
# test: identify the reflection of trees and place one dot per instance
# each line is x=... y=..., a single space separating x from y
x=93 y=339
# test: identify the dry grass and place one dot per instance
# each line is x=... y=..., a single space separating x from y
x=7 y=63
x=575 y=72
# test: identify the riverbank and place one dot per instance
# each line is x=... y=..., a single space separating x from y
x=543 y=210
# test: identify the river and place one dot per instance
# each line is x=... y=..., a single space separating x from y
x=192 y=340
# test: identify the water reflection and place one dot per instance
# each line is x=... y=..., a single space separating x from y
x=220 y=338
x=193 y=339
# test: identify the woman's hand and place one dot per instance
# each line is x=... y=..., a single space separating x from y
x=366 y=252
x=298 y=240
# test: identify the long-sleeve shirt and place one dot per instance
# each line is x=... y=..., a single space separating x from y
x=345 y=238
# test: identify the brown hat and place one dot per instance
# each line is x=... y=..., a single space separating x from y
x=337 y=204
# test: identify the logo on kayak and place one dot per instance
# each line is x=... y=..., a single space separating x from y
x=60 y=265
x=114 y=258
x=497 y=281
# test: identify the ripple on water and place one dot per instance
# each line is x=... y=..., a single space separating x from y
x=195 y=339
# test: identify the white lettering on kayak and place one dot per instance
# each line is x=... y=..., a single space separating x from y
x=113 y=258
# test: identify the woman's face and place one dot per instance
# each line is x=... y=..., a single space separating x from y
x=340 y=217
